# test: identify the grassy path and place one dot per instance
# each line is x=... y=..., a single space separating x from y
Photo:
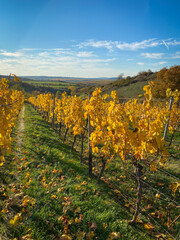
x=52 y=196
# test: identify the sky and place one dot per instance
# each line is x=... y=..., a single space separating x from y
x=88 y=38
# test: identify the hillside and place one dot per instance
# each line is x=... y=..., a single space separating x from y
x=125 y=87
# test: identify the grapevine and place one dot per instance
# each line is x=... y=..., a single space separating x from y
x=11 y=102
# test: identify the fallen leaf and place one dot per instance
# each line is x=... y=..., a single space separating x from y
x=80 y=235
x=149 y=226
x=93 y=226
x=78 y=210
x=65 y=237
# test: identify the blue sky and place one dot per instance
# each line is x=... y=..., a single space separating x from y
x=88 y=38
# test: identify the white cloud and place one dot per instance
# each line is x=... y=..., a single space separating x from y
x=137 y=45
x=56 y=62
x=85 y=61
x=173 y=43
x=159 y=63
x=99 y=60
x=97 y=44
x=10 y=54
x=111 y=45
x=85 y=54
x=29 y=49
x=129 y=46
x=152 y=55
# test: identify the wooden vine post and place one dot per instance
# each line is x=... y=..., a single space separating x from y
x=102 y=169
x=72 y=147
x=139 y=191
x=53 y=111
x=167 y=124
x=67 y=129
x=60 y=125
x=89 y=143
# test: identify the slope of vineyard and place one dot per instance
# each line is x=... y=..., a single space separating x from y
x=47 y=193
x=54 y=196
x=126 y=87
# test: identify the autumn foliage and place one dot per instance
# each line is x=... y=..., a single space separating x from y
x=166 y=78
x=10 y=105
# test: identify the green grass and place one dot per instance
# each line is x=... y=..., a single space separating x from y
x=49 y=173
x=54 y=84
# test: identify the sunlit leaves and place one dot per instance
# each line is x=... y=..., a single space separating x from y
x=149 y=226
x=114 y=235
x=10 y=105
x=16 y=219
x=174 y=186
x=132 y=130
x=65 y=237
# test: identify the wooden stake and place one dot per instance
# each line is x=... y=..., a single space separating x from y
x=102 y=169
x=89 y=144
x=139 y=190
x=73 y=142
x=66 y=134
x=53 y=110
x=60 y=125
x=167 y=124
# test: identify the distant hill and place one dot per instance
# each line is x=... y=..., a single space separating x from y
x=125 y=87
x=68 y=79
x=20 y=78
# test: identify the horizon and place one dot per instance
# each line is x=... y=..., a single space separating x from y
x=92 y=39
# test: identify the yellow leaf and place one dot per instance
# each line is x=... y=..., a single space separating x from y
x=105 y=225
x=54 y=171
x=78 y=210
x=65 y=237
x=60 y=218
x=15 y=220
x=149 y=226
x=174 y=187
x=4 y=210
x=139 y=220
x=77 y=187
x=70 y=221
x=80 y=235
x=114 y=235
x=157 y=195
x=84 y=183
x=27 y=236
x=2 y=160
x=27 y=175
x=54 y=196
x=77 y=220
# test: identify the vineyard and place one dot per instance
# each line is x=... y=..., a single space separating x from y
x=94 y=168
